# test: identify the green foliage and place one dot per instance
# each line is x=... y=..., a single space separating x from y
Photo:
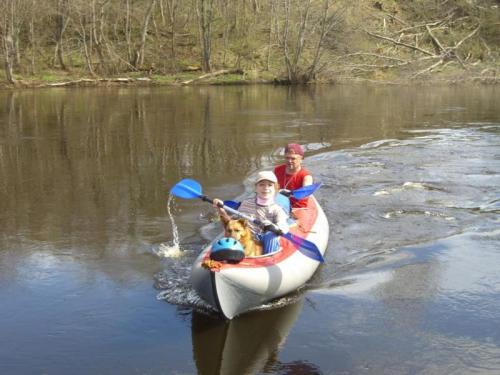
x=51 y=78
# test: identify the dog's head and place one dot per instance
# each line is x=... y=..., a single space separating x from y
x=236 y=228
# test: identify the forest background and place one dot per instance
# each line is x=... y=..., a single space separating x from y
x=65 y=42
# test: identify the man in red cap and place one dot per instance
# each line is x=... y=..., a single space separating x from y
x=292 y=175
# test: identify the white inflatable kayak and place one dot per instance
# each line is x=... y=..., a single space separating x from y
x=234 y=289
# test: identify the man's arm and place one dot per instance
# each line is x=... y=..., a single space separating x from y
x=308 y=180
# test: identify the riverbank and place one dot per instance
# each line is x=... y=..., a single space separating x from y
x=482 y=74
x=79 y=79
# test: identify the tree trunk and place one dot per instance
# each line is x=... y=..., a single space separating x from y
x=204 y=11
x=172 y=6
x=272 y=21
x=32 y=37
x=284 y=41
x=326 y=25
x=59 y=31
x=88 y=58
x=139 y=52
x=14 y=34
x=8 y=53
x=127 y=30
x=299 y=46
x=225 y=35
x=6 y=29
x=98 y=34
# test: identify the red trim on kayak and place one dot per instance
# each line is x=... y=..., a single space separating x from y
x=305 y=219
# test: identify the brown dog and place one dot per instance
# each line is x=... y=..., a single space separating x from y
x=239 y=230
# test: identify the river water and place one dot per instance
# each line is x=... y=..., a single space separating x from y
x=95 y=257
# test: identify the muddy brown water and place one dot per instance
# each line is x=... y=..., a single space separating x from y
x=410 y=179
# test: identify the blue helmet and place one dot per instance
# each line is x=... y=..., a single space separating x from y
x=228 y=249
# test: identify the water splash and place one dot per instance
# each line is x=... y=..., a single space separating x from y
x=175 y=232
x=174 y=287
x=170 y=250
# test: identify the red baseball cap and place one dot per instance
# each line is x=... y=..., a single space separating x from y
x=294 y=148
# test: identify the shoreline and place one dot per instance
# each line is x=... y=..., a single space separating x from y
x=242 y=78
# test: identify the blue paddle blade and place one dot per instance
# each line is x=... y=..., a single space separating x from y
x=305 y=247
x=232 y=204
x=305 y=191
x=187 y=189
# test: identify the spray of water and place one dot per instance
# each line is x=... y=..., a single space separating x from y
x=170 y=250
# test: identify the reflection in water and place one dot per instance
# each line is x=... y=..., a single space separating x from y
x=98 y=163
x=247 y=344
x=84 y=177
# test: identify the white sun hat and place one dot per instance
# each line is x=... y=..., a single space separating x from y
x=266 y=175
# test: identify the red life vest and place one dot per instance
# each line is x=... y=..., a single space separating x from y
x=292 y=182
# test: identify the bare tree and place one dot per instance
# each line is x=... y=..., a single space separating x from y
x=6 y=31
x=272 y=30
x=292 y=38
x=303 y=29
x=327 y=22
x=138 y=58
x=172 y=12
x=127 y=30
x=61 y=22
x=32 y=35
x=81 y=14
x=99 y=41
x=204 y=11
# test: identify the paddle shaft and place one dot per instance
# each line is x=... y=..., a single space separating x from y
x=190 y=189
x=257 y=222
x=301 y=192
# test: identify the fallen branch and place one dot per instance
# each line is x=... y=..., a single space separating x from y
x=214 y=74
x=436 y=23
x=467 y=37
x=410 y=36
x=95 y=81
x=372 y=55
x=435 y=40
x=400 y=43
x=379 y=66
x=396 y=19
x=402 y=63
x=430 y=68
x=69 y=83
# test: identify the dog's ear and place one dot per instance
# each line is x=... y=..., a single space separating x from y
x=243 y=222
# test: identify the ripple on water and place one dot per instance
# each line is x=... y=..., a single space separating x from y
x=400 y=213
x=382 y=198
x=388 y=194
x=408 y=186
x=175 y=286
